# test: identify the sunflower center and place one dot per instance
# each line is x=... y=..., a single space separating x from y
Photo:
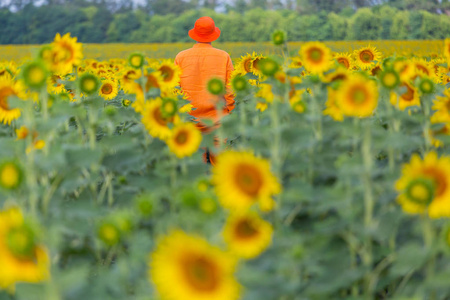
x=245 y=229
x=344 y=61
x=181 y=137
x=248 y=179
x=167 y=73
x=201 y=273
x=421 y=191
x=21 y=242
x=439 y=179
x=366 y=56
x=255 y=63
x=9 y=175
x=4 y=94
x=158 y=117
x=152 y=82
x=315 y=54
x=247 y=64
x=359 y=95
x=422 y=69
x=107 y=89
x=409 y=94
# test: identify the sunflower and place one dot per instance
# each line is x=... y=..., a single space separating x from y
x=244 y=65
x=425 y=185
x=65 y=54
x=185 y=139
x=295 y=63
x=265 y=92
x=336 y=75
x=357 y=96
x=21 y=258
x=154 y=122
x=128 y=79
x=344 y=59
x=407 y=99
x=241 y=180
x=8 y=69
x=54 y=84
x=136 y=60
x=261 y=106
x=170 y=72
x=331 y=108
x=316 y=57
x=405 y=70
x=447 y=49
x=247 y=235
x=201 y=271
x=366 y=57
x=389 y=78
x=442 y=108
x=296 y=101
x=108 y=89
x=9 y=88
x=187 y=108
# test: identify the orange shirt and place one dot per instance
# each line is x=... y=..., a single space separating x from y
x=198 y=65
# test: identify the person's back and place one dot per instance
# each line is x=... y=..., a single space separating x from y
x=200 y=64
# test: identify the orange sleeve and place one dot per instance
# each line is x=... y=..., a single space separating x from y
x=229 y=96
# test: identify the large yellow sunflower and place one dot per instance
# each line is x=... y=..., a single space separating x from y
x=187 y=267
x=407 y=99
x=316 y=57
x=247 y=235
x=170 y=72
x=425 y=186
x=244 y=65
x=153 y=120
x=357 y=96
x=241 y=180
x=184 y=140
x=9 y=88
x=366 y=57
x=21 y=258
x=109 y=89
x=442 y=108
x=344 y=59
x=65 y=54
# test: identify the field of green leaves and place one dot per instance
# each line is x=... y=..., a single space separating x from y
x=330 y=179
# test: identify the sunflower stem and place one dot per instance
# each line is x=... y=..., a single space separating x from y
x=428 y=238
x=391 y=150
x=426 y=128
x=44 y=99
x=368 y=204
x=31 y=174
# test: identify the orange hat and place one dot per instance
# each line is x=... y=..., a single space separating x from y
x=204 y=30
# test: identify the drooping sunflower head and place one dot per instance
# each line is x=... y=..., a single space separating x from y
x=239 y=83
x=201 y=271
x=357 y=96
x=367 y=57
x=184 y=140
x=108 y=89
x=426 y=85
x=241 y=180
x=247 y=235
x=278 y=37
x=316 y=57
x=108 y=232
x=268 y=66
x=344 y=59
x=425 y=185
x=216 y=86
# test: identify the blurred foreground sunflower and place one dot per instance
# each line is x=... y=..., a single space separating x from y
x=187 y=267
x=425 y=185
x=247 y=235
x=241 y=180
x=184 y=140
x=21 y=258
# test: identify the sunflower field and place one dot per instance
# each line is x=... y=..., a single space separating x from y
x=330 y=179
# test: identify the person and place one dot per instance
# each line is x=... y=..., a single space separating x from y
x=200 y=64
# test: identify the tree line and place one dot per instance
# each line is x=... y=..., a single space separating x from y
x=98 y=21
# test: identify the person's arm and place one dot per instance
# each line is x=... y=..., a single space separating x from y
x=229 y=95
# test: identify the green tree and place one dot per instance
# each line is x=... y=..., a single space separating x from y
x=364 y=25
